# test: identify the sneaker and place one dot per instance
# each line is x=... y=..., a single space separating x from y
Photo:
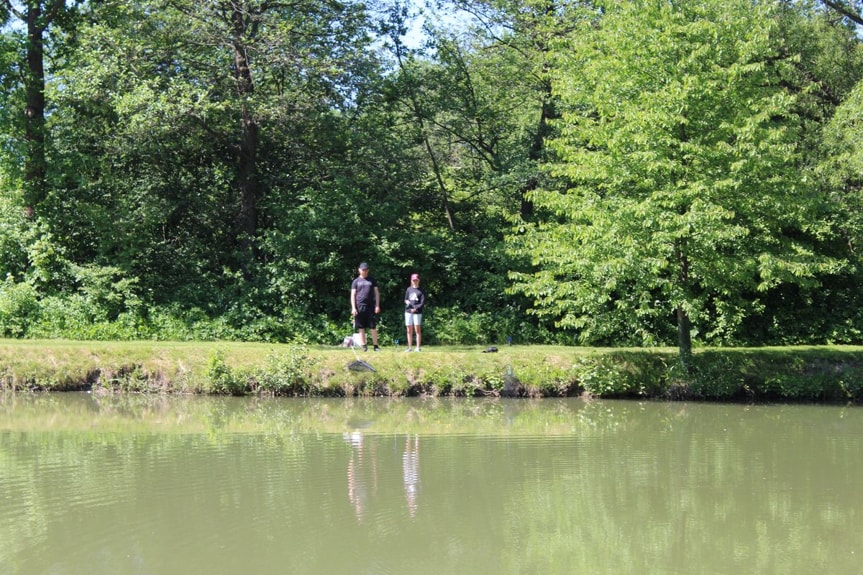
x=365 y=348
x=407 y=350
x=418 y=349
x=377 y=348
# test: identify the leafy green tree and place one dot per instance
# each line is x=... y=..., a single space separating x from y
x=512 y=41
x=474 y=110
x=188 y=121
x=684 y=195
x=843 y=167
x=35 y=18
x=826 y=67
x=410 y=89
x=840 y=171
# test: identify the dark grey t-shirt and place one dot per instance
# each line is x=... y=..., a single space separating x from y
x=365 y=292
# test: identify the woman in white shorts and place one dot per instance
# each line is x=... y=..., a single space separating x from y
x=415 y=299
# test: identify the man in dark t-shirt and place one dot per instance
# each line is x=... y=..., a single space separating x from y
x=365 y=303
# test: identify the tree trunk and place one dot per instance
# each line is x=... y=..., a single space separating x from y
x=684 y=338
x=37 y=15
x=34 y=112
x=447 y=208
x=537 y=146
x=684 y=325
x=247 y=169
x=248 y=188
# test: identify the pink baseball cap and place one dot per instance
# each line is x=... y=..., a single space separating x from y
x=415 y=277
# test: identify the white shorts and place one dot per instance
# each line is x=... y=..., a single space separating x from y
x=413 y=318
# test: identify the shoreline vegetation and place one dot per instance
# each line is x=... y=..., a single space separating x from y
x=820 y=374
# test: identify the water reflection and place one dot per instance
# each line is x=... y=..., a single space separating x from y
x=218 y=486
x=362 y=474
x=411 y=472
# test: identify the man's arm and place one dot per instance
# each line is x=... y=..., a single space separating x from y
x=353 y=301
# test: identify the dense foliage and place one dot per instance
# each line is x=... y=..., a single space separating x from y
x=558 y=171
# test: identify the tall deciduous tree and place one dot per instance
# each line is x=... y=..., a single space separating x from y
x=841 y=171
x=678 y=141
x=277 y=50
x=513 y=40
x=201 y=116
x=412 y=89
x=470 y=108
x=36 y=16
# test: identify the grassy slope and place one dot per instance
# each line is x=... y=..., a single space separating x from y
x=826 y=373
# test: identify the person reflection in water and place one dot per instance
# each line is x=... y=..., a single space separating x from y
x=362 y=474
x=411 y=472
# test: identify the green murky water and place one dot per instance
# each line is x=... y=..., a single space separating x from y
x=134 y=485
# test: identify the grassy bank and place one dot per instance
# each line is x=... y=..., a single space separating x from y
x=810 y=374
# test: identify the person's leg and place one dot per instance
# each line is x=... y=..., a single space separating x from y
x=408 y=329
x=373 y=326
x=419 y=331
x=364 y=322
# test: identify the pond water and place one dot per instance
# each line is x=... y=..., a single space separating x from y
x=165 y=485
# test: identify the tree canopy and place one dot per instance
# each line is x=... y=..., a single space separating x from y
x=680 y=147
x=642 y=173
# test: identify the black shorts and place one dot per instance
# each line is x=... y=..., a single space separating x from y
x=365 y=319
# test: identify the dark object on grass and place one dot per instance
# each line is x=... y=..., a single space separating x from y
x=360 y=365
x=491 y=349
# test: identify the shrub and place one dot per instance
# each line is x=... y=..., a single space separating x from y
x=285 y=373
x=719 y=376
x=621 y=374
x=19 y=307
x=225 y=380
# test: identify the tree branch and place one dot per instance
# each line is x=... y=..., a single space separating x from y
x=13 y=11
x=847 y=10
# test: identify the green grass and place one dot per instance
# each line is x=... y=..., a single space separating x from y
x=809 y=374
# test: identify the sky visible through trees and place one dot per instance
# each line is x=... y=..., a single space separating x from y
x=557 y=171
